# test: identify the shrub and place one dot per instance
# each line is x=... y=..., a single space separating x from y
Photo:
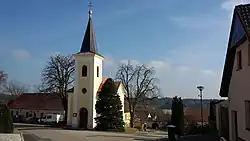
x=6 y=122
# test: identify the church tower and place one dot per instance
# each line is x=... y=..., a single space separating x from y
x=88 y=77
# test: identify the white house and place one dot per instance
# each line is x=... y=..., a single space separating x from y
x=236 y=75
x=88 y=81
x=36 y=105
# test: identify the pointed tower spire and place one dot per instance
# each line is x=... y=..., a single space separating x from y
x=89 y=42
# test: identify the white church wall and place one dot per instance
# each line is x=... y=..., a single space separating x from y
x=121 y=94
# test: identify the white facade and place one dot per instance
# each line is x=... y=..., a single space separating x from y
x=91 y=83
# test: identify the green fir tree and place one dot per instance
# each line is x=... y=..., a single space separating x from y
x=177 y=117
x=108 y=108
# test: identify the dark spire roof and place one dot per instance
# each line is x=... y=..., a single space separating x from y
x=89 y=42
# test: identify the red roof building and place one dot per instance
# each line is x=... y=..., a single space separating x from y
x=37 y=101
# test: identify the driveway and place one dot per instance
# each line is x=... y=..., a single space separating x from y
x=39 y=133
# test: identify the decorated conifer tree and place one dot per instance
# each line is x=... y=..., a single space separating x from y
x=108 y=108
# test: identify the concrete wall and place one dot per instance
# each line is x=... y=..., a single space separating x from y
x=218 y=114
x=70 y=108
x=239 y=92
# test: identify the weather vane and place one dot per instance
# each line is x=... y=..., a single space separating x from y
x=90 y=8
x=90 y=5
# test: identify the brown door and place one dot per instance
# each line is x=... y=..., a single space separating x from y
x=234 y=125
x=83 y=118
x=224 y=122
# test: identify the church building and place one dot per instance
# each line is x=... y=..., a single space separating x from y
x=88 y=82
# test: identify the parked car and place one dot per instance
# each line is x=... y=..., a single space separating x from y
x=32 y=120
x=18 y=119
x=51 y=118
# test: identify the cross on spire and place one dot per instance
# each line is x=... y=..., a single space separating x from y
x=90 y=9
x=90 y=5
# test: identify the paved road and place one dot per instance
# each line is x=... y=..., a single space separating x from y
x=40 y=133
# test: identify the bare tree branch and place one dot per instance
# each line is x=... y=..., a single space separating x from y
x=3 y=79
x=139 y=83
x=57 y=76
x=15 y=88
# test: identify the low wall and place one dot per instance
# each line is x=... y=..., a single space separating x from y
x=16 y=136
x=11 y=137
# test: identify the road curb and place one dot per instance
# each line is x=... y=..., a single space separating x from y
x=21 y=134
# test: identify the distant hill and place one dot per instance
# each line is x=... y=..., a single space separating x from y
x=166 y=102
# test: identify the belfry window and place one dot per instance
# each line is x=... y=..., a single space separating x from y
x=84 y=71
x=97 y=71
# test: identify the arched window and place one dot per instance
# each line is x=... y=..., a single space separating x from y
x=97 y=71
x=84 y=70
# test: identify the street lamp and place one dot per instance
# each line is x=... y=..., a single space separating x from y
x=201 y=88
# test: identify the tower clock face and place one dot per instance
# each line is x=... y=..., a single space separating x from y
x=84 y=90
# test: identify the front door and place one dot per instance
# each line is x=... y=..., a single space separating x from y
x=234 y=126
x=83 y=118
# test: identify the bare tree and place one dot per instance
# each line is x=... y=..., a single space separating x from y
x=15 y=88
x=57 y=76
x=140 y=85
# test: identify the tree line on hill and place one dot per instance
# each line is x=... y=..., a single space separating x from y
x=166 y=102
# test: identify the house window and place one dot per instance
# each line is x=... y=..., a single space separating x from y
x=27 y=114
x=97 y=71
x=84 y=70
x=239 y=60
x=16 y=112
x=41 y=114
x=249 y=54
x=247 y=114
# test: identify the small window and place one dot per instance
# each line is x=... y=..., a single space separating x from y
x=16 y=112
x=239 y=60
x=34 y=114
x=97 y=71
x=247 y=114
x=84 y=71
x=27 y=114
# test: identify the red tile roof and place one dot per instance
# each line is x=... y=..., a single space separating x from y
x=117 y=83
x=195 y=114
x=37 y=101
